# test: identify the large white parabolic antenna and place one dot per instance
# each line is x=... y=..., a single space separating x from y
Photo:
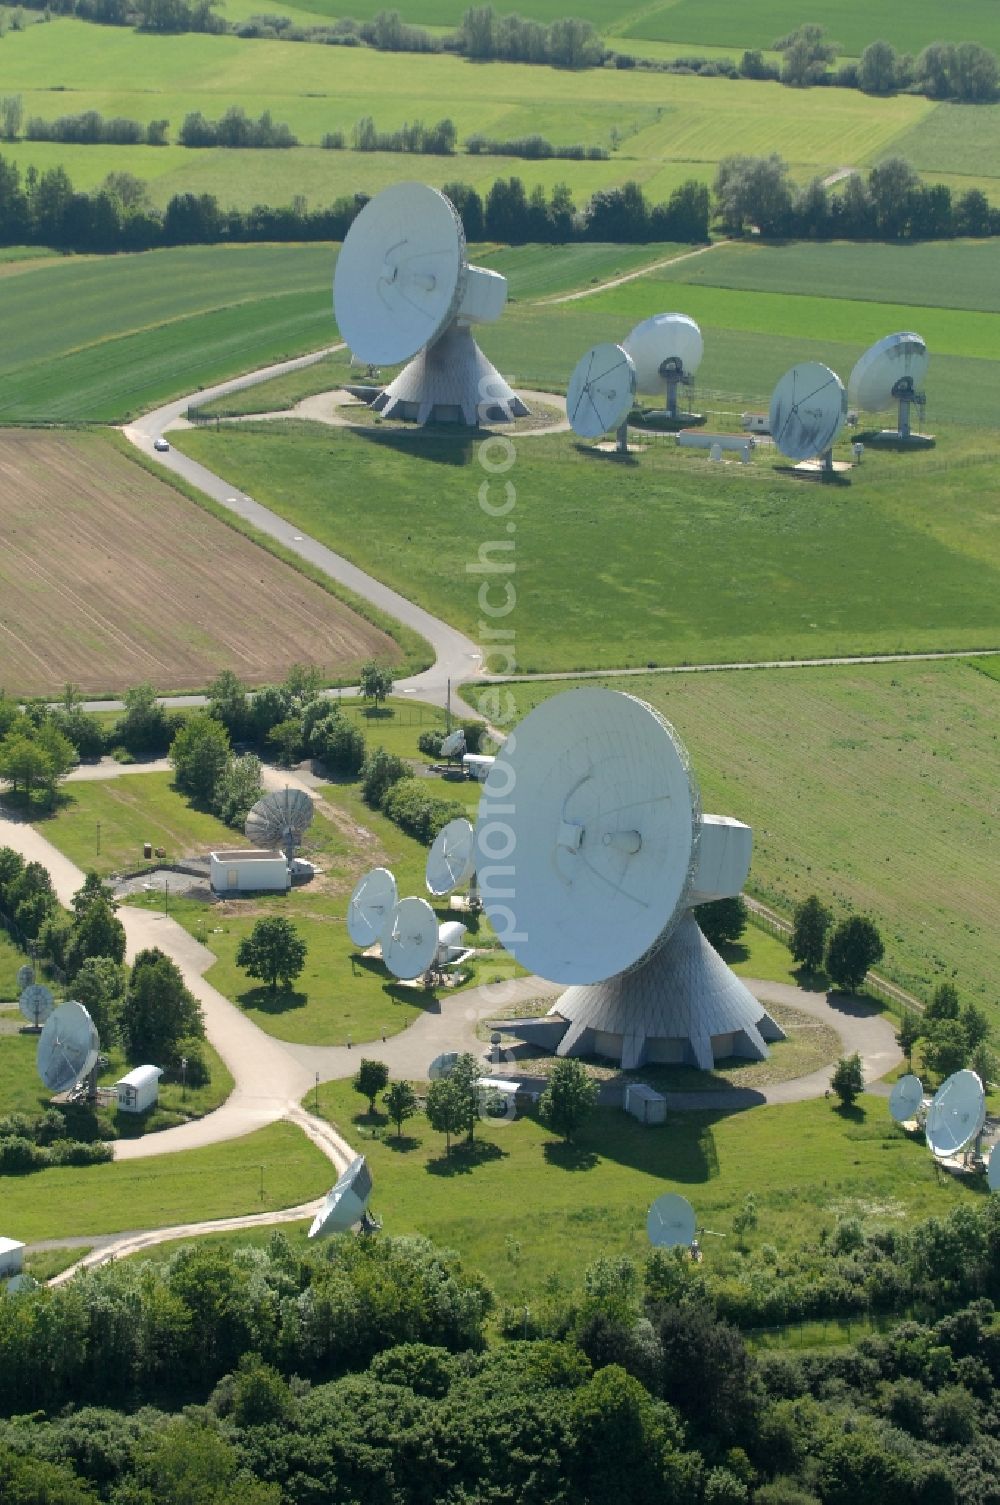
x=601 y=390
x=450 y=860
x=993 y=1169
x=68 y=1047
x=891 y=370
x=670 y=1222
x=36 y=1003
x=808 y=409
x=905 y=1098
x=280 y=820
x=586 y=875
x=666 y=351
x=410 y=941
x=956 y=1114
x=347 y=1202
x=403 y=285
x=372 y=902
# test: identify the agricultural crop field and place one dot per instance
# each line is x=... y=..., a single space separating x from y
x=871 y=785
x=110 y=578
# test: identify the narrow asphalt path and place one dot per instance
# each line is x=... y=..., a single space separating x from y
x=643 y=271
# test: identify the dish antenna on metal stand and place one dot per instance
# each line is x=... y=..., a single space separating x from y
x=451 y=861
x=453 y=745
x=666 y=351
x=600 y=395
x=25 y=976
x=905 y=1099
x=68 y=1049
x=371 y=906
x=280 y=820
x=604 y=857
x=808 y=411
x=410 y=940
x=892 y=371
x=403 y=285
x=36 y=1004
x=670 y=1222
x=956 y=1114
x=347 y=1203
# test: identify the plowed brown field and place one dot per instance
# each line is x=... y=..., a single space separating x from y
x=110 y=578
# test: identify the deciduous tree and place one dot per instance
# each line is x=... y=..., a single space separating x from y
x=273 y=952
x=809 y=932
x=569 y=1099
x=369 y=1080
x=848 y=1080
x=400 y=1104
x=854 y=946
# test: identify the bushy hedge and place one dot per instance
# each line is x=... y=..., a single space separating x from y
x=419 y=811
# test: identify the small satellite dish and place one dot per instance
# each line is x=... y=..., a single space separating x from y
x=442 y=1066
x=666 y=351
x=280 y=820
x=451 y=937
x=25 y=976
x=410 y=942
x=891 y=370
x=670 y=1222
x=453 y=745
x=601 y=391
x=905 y=1098
x=808 y=410
x=68 y=1047
x=347 y=1202
x=372 y=902
x=36 y=1003
x=450 y=861
x=956 y=1114
x=993 y=1169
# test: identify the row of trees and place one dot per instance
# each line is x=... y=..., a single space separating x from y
x=965 y=71
x=845 y=952
x=236 y=129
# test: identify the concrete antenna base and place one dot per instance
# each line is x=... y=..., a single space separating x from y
x=451 y=381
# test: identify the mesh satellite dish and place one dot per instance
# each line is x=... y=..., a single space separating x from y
x=25 y=976
x=371 y=905
x=442 y=1066
x=453 y=745
x=666 y=351
x=280 y=820
x=808 y=410
x=956 y=1114
x=905 y=1098
x=68 y=1047
x=670 y=1222
x=450 y=861
x=403 y=285
x=600 y=394
x=36 y=1003
x=603 y=856
x=993 y=1169
x=347 y=1202
x=892 y=370
x=410 y=941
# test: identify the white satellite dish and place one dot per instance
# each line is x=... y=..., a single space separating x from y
x=891 y=370
x=68 y=1047
x=808 y=410
x=347 y=1202
x=450 y=861
x=666 y=351
x=280 y=820
x=25 y=976
x=453 y=745
x=410 y=941
x=670 y=1222
x=371 y=906
x=905 y=1098
x=442 y=1066
x=600 y=393
x=403 y=285
x=993 y=1169
x=36 y=1003
x=956 y=1114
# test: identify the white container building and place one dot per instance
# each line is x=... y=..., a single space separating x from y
x=249 y=870
x=139 y=1089
x=11 y=1257
x=645 y=1103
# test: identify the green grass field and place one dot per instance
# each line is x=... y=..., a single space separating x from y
x=805 y=1164
x=872 y=786
x=224 y=1180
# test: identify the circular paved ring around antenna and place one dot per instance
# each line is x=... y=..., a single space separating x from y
x=956 y=1114
x=345 y=1204
x=897 y=357
x=371 y=906
x=808 y=409
x=905 y=1098
x=410 y=942
x=601 y=390
x=670 y=1222
x=673 y=341
x=400 y=275
x=450 y=861
x=36 y=1003
x=587 y=864
x=68 y=1047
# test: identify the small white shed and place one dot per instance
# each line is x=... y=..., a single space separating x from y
x=249 y=870
x=11 y=1257
x=477 y=766
x=139 y=1089
x=645 y=1103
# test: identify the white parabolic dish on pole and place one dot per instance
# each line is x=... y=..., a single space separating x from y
x=36 y=1003
x=894 y=366
x=664 y=347
x=450 y=860
x=347 y=1203
x=371 y=906
x=410 y=942
x=670 y=1222
x=905 y=1098
x=601 y=391
x=68 y=1047
x=956 y=1114
x=808 y=409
